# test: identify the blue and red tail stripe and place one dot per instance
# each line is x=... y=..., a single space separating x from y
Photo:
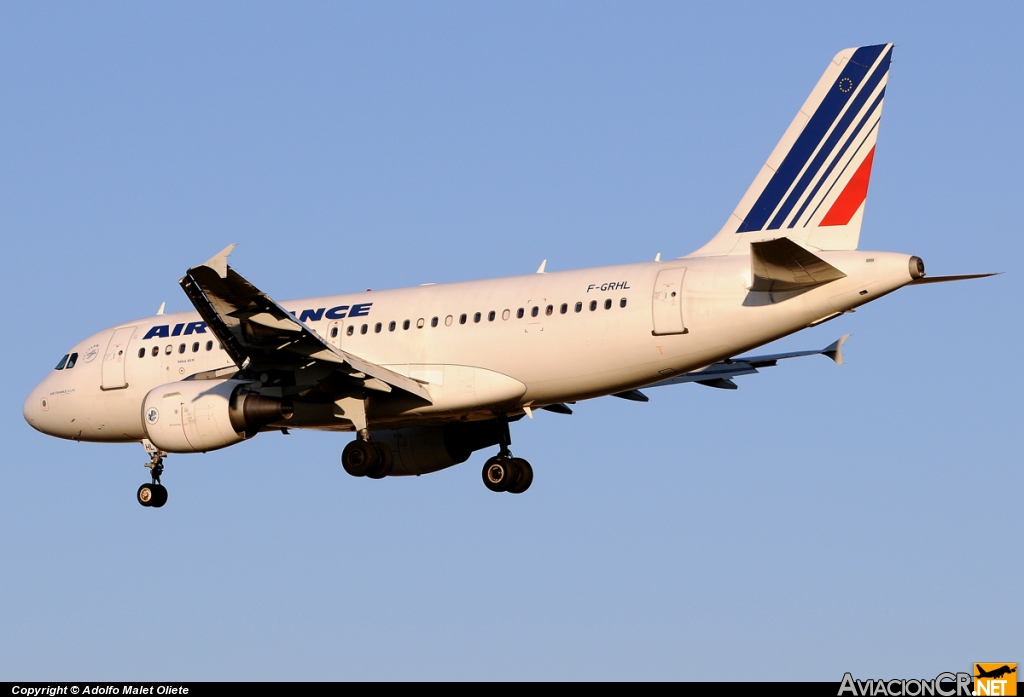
x=826 y=128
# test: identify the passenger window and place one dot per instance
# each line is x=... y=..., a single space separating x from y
x=433 y=322
x=505 y=314
x=608 y=304
x=168 y=350
x=63 y=362
x=195 y=347
x=519 y=313
x=209 y=346
x=351 y=329
x=476 y=317
x=142 y=352
x=377 y=327
x=490 y=316
x=593 y=305
x=622 y=303
x=156 y=349
x=391 y=326
x=419 y=323
x=448 y=321
x=462 y=319
x=405 y=324
x=72 y=360
x=181 y=348
x=564 y=308
x=362 y=329
x=550 y=310
x=579 y=307
x=334 y=332
x=535 y=311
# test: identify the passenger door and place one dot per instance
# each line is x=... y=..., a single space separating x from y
x=667 y=302
x=112 y=370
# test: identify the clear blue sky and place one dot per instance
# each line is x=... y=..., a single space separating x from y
x=817 y=520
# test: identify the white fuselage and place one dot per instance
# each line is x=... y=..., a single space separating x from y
x=473 y=367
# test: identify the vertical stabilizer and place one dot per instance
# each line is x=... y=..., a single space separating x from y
x=813 y=187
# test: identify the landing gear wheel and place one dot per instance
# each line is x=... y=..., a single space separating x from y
x=525 y=478
x=500 y=473
x=359 y=457
x=146 y=494
x=385 y=462
x=159 y=496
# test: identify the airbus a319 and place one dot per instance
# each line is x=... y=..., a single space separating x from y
x=426 y=376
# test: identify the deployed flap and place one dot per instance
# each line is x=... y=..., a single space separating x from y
x=782 y=264
x=261 y=335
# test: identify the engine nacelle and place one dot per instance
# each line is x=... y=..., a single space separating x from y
x=424 y=449
x=194 y=416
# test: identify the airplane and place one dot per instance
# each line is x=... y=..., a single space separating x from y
x=426 y=376
x=995 y=673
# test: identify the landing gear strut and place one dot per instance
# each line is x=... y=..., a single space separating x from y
x=365 y=458
x=504 y=472
x=153 y=495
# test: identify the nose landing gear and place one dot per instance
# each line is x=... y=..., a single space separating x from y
x=153 y=495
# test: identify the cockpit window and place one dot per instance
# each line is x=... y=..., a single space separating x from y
x=63 y=362
x=71 y=361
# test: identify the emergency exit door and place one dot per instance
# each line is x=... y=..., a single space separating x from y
x=667 y=302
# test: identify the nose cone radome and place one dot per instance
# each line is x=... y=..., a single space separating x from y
x=32 y=409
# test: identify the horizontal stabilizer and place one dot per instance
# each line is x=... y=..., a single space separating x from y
x=945 y=279
x=782 y=264
x=720 y=374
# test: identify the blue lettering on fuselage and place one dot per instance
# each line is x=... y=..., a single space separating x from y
x=163 y=331
x=315 y=315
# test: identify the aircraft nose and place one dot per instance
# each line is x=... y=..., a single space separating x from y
x=35 y=407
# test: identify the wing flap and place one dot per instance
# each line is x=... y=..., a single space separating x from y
x=261 y=335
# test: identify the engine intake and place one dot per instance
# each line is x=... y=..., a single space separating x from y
x=201 y=415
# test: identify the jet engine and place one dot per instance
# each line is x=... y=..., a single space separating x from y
x=200 y=415
x=424 y=449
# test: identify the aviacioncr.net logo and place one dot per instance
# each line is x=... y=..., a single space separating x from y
x=943 y=685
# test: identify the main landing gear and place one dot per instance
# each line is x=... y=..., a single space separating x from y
x=365 y=458
x=504 y=472
x=153 y=495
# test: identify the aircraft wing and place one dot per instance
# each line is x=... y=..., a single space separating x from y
x=720 y=374
x=261 y=336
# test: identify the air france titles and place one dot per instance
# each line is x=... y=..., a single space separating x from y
x=614 y=285
x=163 y=331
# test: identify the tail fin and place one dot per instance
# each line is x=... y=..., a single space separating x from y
x=813 y=186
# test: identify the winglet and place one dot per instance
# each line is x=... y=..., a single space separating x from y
x=161 y=310
x=219 y=262
x=835 y=349
x=543 y=264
